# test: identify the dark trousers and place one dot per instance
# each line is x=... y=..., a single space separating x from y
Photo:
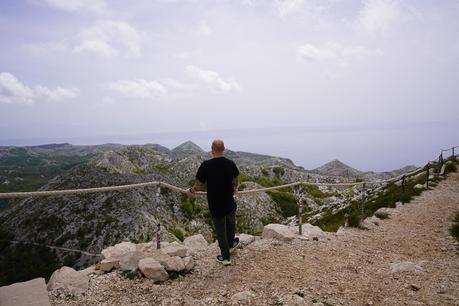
x=225 y=228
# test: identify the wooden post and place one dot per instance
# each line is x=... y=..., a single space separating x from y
x=427 y=178
x=362 y=206
x=440 y=159
x=403 y=191
x=300 y=219
x=158 y=222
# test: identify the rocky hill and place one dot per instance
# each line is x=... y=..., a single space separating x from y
x=338 y=168
x=92 y=222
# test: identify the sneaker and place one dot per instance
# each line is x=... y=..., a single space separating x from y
x=235 y=244
x=225 y=262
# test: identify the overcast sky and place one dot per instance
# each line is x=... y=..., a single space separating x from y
x=80 y=68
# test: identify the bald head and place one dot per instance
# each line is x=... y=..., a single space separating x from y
x=218 y=146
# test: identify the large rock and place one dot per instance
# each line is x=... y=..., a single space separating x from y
x=70 y=280
x=152 y=269
x=189 y=263
x=109 y=264
x=172 y=263
x=130 y=261
x=243 y=298
x=118 y=250
x=309 y=231
x=405 y=266
x=419 y=186
x=196 y=243
x=32 y=292
x=278 y=231
x=245 y=239
x=175 y=249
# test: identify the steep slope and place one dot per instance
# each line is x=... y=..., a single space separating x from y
x=409 y=259
x=92 y=222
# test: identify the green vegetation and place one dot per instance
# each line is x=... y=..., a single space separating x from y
x=454 y=229
x=285 y=202
x=178 y=233
x=382 y=215
x=25 y=172
x=189 y=207
x=20 y=262
x=278 y=171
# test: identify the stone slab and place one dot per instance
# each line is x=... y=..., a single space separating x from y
x=30 y=293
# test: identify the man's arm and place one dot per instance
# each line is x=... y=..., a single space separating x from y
x=197 y=186
x=235 y=184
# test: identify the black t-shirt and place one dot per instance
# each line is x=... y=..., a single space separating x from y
x=218 y=174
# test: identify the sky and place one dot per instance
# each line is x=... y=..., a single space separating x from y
x=371 y=82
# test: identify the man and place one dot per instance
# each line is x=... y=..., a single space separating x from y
x=220 y=174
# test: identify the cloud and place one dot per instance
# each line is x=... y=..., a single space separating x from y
x=333 y=52
x=109 y=38
x=213 y=79
x=287 y=7
x=379 y=16
x=158 y=90
x=140 y=89
x=203 y=29
x=80 y=6
x=13 y=91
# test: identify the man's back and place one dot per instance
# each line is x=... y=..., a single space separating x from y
x=219 y=173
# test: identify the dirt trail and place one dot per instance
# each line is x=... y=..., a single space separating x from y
x=352 y=268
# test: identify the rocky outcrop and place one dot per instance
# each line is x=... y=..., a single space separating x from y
x=196 y=243
x=68 y=280
x=278 y=231
x=153 y=270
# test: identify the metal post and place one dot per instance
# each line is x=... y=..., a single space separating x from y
x=427 y=178
x=362 y=206
x=300 y=219
x=402 y=197
x=158 y=222
x=440 y=159
x=452 y=150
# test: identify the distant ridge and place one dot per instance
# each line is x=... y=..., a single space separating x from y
x=337 y=168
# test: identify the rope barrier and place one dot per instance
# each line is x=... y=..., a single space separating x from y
x=452 y=148
x=56 y=248
x=46 y=193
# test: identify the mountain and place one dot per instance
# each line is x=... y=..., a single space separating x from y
x=186 y=149
x=337 y=168
x=92 y=222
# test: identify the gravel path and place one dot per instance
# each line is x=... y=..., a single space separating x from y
x=355 y=267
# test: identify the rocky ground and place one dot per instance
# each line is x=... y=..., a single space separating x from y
x=408 y=259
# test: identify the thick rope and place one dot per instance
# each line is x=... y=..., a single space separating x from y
x=46 y=193
x=55 y=247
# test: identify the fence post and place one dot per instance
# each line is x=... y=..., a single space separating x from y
x=158 y=222
x=427 y=178
x=440 y=159
x=452 y=154
x=362 y=205
x=300 y=219
x=402 y=197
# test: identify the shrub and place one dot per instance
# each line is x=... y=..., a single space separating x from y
x=454 y=229
x=265 y=172
x=178 y=233
x=314 y=191
x=353 y=220
x=278 y=171
x=188 y=206
x=450 y=167
x=285 y=202
x=382 y=215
